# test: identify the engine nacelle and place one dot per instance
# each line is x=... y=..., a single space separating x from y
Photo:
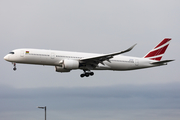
x=60 y=69
x=70 y=64
x=67 y=65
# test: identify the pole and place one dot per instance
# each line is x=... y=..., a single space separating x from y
x=45 y=112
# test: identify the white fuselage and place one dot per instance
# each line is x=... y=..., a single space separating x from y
x=53 y=58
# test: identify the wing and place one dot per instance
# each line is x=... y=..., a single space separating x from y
x=95 y=60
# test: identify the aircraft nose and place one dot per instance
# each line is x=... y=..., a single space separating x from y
x=6 y=58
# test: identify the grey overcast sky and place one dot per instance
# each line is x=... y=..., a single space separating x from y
x=96 y=26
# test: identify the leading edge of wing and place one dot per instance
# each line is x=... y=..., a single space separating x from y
x=106 y=56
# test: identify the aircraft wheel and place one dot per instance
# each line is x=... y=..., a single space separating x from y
x=87 y=74
x=14 y=69
x=91 y=73
x=82 y=75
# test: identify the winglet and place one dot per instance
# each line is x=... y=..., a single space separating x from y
x=129 y=49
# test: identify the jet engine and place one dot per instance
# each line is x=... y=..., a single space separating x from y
x=70 y=64
x=67 y=65
x=60 y=69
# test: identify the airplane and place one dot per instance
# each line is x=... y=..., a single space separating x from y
x=65 y=61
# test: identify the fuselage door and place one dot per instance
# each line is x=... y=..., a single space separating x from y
x=22 y=53
x=52 y=55
x=136 y=62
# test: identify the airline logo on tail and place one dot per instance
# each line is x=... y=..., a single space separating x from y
x=158 y=52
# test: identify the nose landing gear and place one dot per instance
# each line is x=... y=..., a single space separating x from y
x=14 y=66
x=87 y=74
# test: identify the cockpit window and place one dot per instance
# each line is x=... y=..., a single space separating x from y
x=11 y=52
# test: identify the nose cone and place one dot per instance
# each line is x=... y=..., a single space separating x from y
x=6 y=58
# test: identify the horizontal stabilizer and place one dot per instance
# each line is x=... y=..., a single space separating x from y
x=162 y=62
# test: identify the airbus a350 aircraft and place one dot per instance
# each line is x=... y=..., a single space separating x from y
x=66 y=61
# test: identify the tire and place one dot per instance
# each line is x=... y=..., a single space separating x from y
x=87 y=74
x=82 y=75
x=91 y=73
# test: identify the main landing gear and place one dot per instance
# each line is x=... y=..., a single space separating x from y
x=14 y=66
x=87 y=74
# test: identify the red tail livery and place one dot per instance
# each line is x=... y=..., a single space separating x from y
x=159 y=50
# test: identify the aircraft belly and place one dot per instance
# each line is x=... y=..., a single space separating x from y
x=120 y=66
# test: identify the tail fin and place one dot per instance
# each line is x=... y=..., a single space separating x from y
x=159 y=50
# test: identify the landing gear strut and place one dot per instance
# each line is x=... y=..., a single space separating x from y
x=87 y=73
x=14 y=66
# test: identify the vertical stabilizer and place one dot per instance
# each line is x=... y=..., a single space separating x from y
x=158 y=52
